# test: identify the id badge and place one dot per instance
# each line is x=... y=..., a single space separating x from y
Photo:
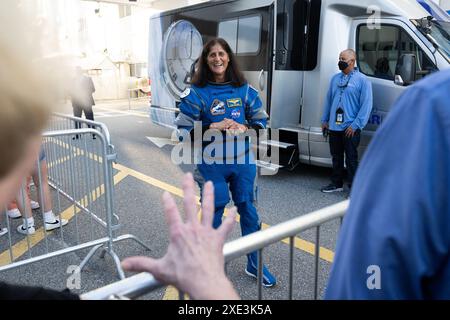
x=339 y=116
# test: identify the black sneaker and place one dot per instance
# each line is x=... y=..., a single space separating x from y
x=332 y=188
x=55 y=224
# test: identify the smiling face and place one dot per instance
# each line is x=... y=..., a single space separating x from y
x=218 y=60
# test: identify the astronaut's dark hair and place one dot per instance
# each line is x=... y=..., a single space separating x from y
x=203 y=74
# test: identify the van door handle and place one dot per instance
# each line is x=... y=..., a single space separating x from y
x=261 y=81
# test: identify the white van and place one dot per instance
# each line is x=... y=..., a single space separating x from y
x=289 y=49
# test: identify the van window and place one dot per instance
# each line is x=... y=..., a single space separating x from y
x=249 y=31
x=243 y=34
x=297 y=29
x=378 y=51
x=228 y=31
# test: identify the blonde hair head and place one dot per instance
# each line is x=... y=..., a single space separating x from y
x=27 y=91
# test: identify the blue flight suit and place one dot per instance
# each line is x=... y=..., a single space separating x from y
x=214 y=103
x=395 y=239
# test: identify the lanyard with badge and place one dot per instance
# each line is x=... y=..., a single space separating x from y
x=340 y=110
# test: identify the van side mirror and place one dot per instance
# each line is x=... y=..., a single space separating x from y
x=405 y=71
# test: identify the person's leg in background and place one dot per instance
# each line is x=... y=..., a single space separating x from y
x=89 y=114
x=351 y=155
x=13 y=210
x=336 y=142
x=77 y=112
x=40 y=178
x=23 y=204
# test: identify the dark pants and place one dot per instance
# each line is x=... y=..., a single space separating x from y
x=78 y=111
x=340 y=144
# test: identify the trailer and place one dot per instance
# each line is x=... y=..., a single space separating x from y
x=288 y=50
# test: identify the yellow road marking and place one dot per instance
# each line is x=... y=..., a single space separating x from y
x=154 y=182
x=57 y=162
x=306 y=246
x=21 y=247
x=76 y=151
x=172 y=293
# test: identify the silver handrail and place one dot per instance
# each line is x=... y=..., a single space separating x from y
x=143 y=283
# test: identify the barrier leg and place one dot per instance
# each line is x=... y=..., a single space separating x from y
x=117 y=263
x=89 y=256
x=130 y=236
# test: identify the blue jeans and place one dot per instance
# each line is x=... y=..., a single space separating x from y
x=340 y=145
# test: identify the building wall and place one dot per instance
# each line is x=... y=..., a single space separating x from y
x=89 y=32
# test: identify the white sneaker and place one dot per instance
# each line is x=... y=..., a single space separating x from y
x=34 y=205
x=14 y=213
x=23 y=230
x=56 y=224
x=3 y=231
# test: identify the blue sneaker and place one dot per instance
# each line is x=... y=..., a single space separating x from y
x=252 y=270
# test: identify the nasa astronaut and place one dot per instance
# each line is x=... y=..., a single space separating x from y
x=225 y=104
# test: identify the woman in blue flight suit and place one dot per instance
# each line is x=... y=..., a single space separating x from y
x=228 y=106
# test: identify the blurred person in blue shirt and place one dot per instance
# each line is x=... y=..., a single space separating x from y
x=395 y=239
x=348 y=104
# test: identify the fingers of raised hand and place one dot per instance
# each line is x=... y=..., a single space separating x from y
x=228 y=223
x=208 y=204
x=170 y=210
x=189 y=201
x=140 y=264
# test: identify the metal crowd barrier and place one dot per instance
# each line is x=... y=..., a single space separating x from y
x=61 y=121
x=79 y=158
x=143 y=283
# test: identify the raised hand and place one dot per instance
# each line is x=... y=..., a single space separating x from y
x=194 y=262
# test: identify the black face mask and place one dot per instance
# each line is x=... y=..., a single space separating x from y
x=342 y=65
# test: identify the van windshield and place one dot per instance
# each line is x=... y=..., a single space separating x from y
x=438 y=32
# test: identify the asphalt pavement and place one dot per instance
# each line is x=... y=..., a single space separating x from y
x=147 y=171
